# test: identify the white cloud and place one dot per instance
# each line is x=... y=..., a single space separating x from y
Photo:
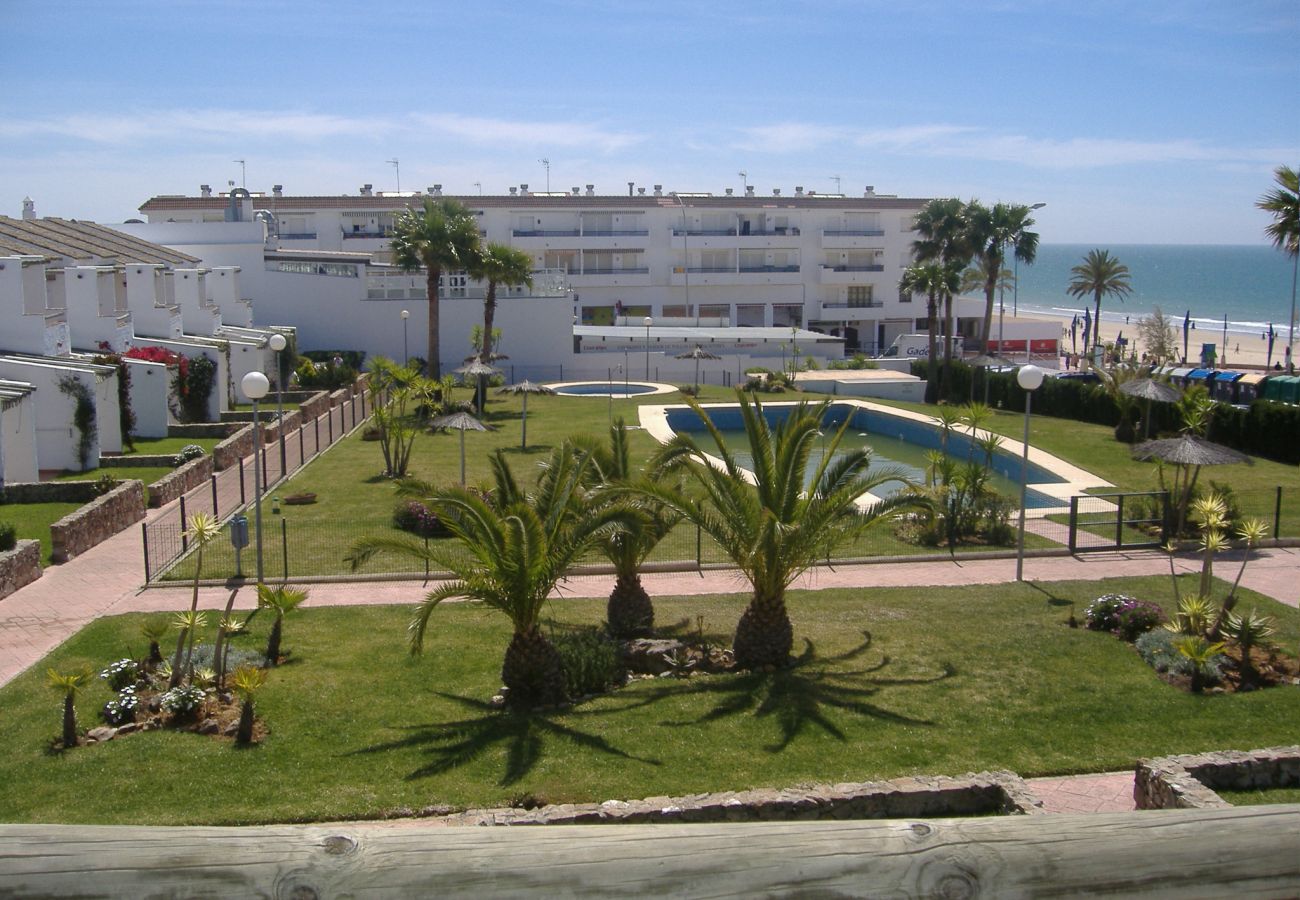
x=541 y=133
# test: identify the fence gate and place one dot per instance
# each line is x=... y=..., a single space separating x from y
x=1118 y=521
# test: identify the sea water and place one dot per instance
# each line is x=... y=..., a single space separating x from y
x=1250 y=284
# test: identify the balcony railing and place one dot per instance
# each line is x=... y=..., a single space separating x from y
x=752 y=269
x=875 y=267
x=371 y=235
x=853 y=232
x=615 y=232
x=704 y=232
x=627 y=270
x=855 y=304
x=297 y=235
x=732 y=232
x=544 y=232
x=709 y=270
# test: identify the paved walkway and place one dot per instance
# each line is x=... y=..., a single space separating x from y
x=107 y=581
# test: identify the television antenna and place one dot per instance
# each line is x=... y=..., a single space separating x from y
x=397 y=168
x=243 y=174
x=836 y=179
x=547 y=164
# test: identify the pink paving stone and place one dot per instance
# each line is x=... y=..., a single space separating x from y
x=1109 y=792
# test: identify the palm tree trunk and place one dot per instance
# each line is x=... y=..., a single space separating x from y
x=764 y=634
x=533 y=671
x=990 y=289
x=245 y=733
x=489 y=315
x=932 y=325
x=273 y=641
x=630 y=612
x=434 y=368
x=947 y=346
x=69 y=721
x=176 y=660
x=1096 y=321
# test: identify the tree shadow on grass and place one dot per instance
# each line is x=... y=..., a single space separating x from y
x=524 y=735
x=808 y=694
x=1050 y=598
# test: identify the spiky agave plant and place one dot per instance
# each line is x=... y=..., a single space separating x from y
x=1200 y=654
x=247 y=681
x=1252 y=533
x=203 y=528
x=69 y=684
x=187 y=625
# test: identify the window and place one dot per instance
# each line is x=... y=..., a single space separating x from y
x=860 y=296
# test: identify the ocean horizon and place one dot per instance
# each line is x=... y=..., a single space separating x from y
x=1250 y=284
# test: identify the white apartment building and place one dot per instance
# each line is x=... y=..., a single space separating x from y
x=822 y=262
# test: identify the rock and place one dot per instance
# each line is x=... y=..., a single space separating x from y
x=102 y=733
x=649 y=656
x=209 y=726
x=232 y=728
x=128 y=728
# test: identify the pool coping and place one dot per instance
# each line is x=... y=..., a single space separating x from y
x=659 y=389
x=1074 y=480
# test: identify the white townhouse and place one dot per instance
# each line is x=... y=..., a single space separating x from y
x=828 y=263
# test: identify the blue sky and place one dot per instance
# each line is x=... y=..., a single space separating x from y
x=1136 y=122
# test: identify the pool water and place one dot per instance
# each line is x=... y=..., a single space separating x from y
x=893 y=440
x=603 y=389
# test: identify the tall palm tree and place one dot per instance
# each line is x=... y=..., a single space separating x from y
x=630 y=612
x=511 y=548
x=1284 y=203
x=498 y=264
x=441 y=235
x=1100 y=274
x=937 y=281
x=945 y=238
x=992 y=231
x=779 y=519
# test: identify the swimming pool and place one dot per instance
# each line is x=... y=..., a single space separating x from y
x=895 y=436
x=614 y=389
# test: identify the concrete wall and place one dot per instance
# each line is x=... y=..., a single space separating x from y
x=150 y=394
x=56 y=436
x=218 y=399
x=18 y=441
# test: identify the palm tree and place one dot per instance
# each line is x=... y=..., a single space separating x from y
x=498 y=264
x=248 y=680
x=513 y=549
x=69 y=684
x=991 y=232
x=282 y=600
x=441 y=235
x=1284 y=204
x=936 y=281
x=1099 y=274
x=779 y=519
x=946 y=239
x=203 y=529
x=630 y=611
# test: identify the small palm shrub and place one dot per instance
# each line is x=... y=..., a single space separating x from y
x=1195 y=613
x=121 y=674
x=69 y=684
x=153 y=631
x=589 y=659
x=281 y=601
x=1248 y=631
x=122 y=708
x=183 y=702
x=1206 y=660
x=8 y=536
x=247 y=681
x=187 y=453
x=1159 y=649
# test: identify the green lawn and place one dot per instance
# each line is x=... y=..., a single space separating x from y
x=32 y=521
x=156 y=446
x=1259 y=797
x=895 y=682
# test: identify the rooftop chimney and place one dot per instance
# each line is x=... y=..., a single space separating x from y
x=514 y=191
x=871 y=191
x=630 y=185
x=367 y=190
x=576 y=190
x=591 y=190
x=523 y=190
x=640 y=192
x=205 y=190
x=776 y=192
x=29 y=209
x=729 y=192
x=798 y=190
x=749 y=190
x=659 y=190
x=277 y=190
x=436 y=190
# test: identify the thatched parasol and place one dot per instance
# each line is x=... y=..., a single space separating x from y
x=525 y=387
x=1149 y=389
x=1188 y=452
x=984 y=361
x=697 y=354
x=462 y=422
x=478 y=371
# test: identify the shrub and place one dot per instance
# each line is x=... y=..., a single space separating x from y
x=1102 y=614
x=188 y=452
x=234 y=657
x=1159 y=649
x=104 y=483
x=1136 y=618
x=8 y=536
x=184 y=701
x=121 y=709
x=418 y=519
x=590 y=660
x=121 y=674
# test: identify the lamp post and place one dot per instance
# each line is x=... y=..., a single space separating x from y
x=255 y=385
x=406 y=356
x=278 y=343
x=648 y=322
x=1030 y=378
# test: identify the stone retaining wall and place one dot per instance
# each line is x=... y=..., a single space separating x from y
x=136 y=459
x=1190 y=782
x=203 y=429
x=49 y=492
x=97 y=521
x=271 y=429
x=19 y=566
x=234 y=448
x=181 y=481
x=315 y=406
x=904 y=798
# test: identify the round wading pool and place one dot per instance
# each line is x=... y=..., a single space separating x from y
x=610 y=388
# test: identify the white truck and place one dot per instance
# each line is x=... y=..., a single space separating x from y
x=917 y=346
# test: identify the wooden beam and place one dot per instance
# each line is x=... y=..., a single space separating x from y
x=1241 y=852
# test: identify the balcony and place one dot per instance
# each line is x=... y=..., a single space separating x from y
x=298 y=236
x=615 y=232
x=544 y=233
x=869 y=304
x=624 y=270
x=853 y=232
x=750 y=270
x=704 y=232
x=874 y=267
x=847 y=274
x=368 y=235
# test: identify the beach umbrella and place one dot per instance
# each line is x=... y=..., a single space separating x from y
x=1272 y=336
x=1150 y=390
x=983 y=361
x=1187 y=325
x=478 y=371
x=697 y=354
x=1074 y=335
x=525 y=387
x=1087 y=328
x=462 y=422
x=1188 y=452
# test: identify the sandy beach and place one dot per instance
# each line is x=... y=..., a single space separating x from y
x=1243 y=351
